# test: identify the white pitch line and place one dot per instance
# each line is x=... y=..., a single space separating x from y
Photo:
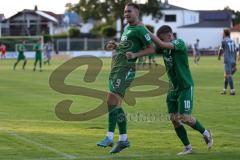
x=109 y=156
x=64 y=155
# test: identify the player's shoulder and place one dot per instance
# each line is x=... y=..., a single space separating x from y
x=178 y=41
x=141 y=28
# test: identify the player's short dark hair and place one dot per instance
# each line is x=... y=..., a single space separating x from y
x=164 y=29
x=226 y=32
x=134 y=5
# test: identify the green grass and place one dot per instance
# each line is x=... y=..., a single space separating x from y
x=30 y=130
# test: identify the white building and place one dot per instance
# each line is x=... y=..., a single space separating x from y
x=209 y=29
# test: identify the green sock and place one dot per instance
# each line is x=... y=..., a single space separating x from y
x=182 y=134
x=112 y=118
x=122 y=121
x=198 y=126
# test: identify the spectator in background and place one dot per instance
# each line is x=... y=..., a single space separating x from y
x=48 y=49
x=196 y=52
x=3 y=50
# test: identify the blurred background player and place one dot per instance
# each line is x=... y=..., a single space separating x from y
x=196 y=51
x=180 y=95
x=141 y=62
x=21 y=56
x=3 y=50
x=229 y=51
x=48 y=49
x=38 y=55
x=135 y=39
x=151 y=59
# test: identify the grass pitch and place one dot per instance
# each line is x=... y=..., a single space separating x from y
x=30 y=130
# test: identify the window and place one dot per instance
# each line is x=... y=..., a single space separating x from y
x=170 y=18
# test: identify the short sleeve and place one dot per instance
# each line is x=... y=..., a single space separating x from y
x=178 y=44
x=145 y=37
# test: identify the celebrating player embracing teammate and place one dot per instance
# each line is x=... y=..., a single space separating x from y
x=180 y=95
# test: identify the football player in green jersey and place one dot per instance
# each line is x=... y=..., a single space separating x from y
x=135 y=39
x=180 y=95
x=38 y=55
x=21 y=56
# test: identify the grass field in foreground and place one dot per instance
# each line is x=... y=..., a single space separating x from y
x=30 y=130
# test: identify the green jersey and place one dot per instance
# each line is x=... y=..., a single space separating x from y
x=38 y=48
x=176 y=62
x=20 y=48
x=134 y=39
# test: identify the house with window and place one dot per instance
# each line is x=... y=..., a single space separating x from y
x=37 y=22
x=30 y=22
x=209 y=29
x=1 y=17
x=72 y=19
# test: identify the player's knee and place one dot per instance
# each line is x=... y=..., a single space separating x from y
x=228 y=76
x=176 y=124
x=225 y=76
x=187 y=119
x=175 y=120
x=112 y=99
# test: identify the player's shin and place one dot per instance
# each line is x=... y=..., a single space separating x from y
x=182 y=134
x=225 y=83
x=198 y=126
x=40 y=64
x=230 y=80
x=122 y=124
x=24 y=64
x=112 y=120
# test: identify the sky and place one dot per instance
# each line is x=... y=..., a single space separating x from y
x=11 y=7
x=206 y=4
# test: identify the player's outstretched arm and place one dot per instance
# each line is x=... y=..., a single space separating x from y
x=148 y=50
x=160 y=43
x=157 y=41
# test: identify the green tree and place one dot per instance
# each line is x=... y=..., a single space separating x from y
x=110 y=10
x=69 y=6
x=87 y=9
x=108 y=31
x=97 y=30
x=237 y=17
x=74 y=32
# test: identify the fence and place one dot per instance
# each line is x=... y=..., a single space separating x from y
x=84 y=44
